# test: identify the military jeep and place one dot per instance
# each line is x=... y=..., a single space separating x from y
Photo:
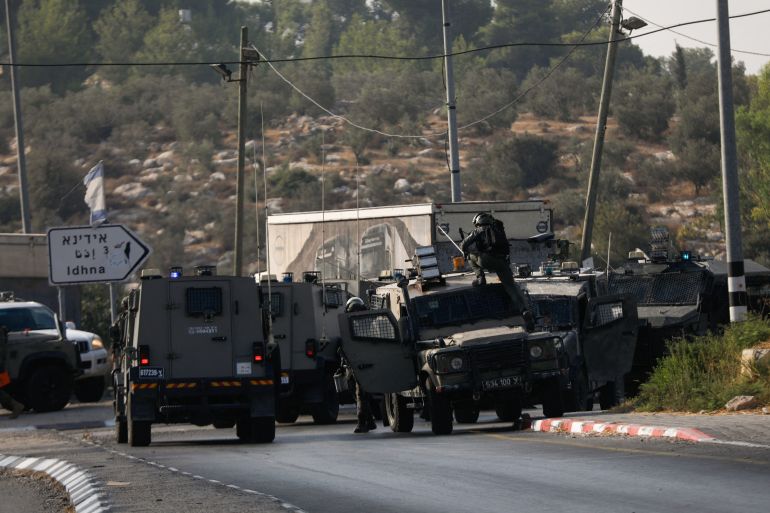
x=42 y=364
x=194 y=349
x=436 y=342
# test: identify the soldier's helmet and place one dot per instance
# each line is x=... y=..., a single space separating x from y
x=355 y=304
x=483 y=219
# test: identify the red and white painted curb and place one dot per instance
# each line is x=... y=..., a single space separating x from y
x=587 y=427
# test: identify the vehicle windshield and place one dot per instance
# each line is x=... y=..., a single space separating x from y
x=463 y=306
x=553 y=313
x=27 y=318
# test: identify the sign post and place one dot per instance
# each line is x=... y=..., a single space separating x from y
x=82 y=254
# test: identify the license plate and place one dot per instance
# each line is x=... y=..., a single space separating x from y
x=284 y=380
x=498 y=383
x=151 y=373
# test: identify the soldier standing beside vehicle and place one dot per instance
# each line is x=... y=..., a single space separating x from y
x=7 y=402
x=486 y=247
x=363 y=400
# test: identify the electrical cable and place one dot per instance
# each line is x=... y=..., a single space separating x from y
x=383 y=57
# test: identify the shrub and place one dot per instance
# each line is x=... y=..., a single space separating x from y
x=520 y=162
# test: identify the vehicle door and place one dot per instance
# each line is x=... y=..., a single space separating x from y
x=282 y=309
x=609 y=336
x=201 y=342
x=372 y=344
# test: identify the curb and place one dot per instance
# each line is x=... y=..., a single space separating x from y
x=614 y=428
x=62 y=426
x=80 y=485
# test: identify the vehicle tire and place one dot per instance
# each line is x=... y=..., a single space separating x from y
x=287 y=411
x=610 y=395
x=440 y=410
x=243 y=429
x=326 y=411
x=552 y=404
x=89 y=390
x=223 y=423
x=467 y=414
x=139 y=432
x=49 y=388
x=121 y=431
x=508 y=406
x=400 y=418
x=263 y=430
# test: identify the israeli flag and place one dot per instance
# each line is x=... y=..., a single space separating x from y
x=94 y=182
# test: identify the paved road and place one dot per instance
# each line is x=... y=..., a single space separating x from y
x=486 y=467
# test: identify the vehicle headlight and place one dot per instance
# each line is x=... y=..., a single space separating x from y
x=97 y=343
x=535 y=351
x=446 y=363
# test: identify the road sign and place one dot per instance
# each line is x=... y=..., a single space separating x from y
x=82 y=254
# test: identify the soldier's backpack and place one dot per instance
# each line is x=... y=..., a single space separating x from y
x=495 y=239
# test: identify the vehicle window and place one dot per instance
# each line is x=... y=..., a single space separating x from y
x=660 y=289
x=276 y=304
x=203 y=301
x=470 y=305
x=607 y=313
x=554 y=312
x=32 y=318
x=372 y=327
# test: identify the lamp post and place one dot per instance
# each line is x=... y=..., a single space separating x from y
x=247 y=56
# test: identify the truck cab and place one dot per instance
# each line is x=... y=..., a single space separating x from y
x=436 y=342
x=598 y=333
x=194 y=349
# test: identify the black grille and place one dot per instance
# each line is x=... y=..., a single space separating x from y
x=204 y=301
x=660 y=289
x=82 y=346
x=506 y=355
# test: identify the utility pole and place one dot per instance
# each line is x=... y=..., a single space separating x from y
x=454 y=157
x=21 y=161
x=242 y=78
x=736 y=280
x=601 y=128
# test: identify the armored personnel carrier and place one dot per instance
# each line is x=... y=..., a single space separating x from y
x=598 y=333
x=194 y=349
x=436 y=342
x=305 y=327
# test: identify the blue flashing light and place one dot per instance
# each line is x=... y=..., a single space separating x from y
x=175 y=273
x=685 y=255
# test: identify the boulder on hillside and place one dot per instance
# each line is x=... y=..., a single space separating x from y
x=166 y=156
x=402 y=185
x=132 y=191
x=741 y=402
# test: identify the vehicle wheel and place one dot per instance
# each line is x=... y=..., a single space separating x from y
x=121 y=431
x=139 y=432
x=263 y=429
x=440 y=410
x=49 y=388
x=287 y=411
x=508 y=406
x=223 y=423
x=400 y=418
x=326 y=411
x=243 y=429
x=467 y=414
x=89 y=390
x=552 y=405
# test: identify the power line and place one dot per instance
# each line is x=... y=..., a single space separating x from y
x=383 y=57
x=734 y=50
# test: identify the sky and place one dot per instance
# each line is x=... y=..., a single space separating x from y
x=745 y=33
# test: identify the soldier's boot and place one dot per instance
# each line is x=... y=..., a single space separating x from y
x=361 y=427
x=371 y=424
x=480 y=280
x=529 y=320
x=16 y=409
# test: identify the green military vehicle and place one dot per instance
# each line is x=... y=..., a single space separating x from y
x=305 y=327
x=194 y=349
x=436 y=342
x=42 y=364
x=598 y=333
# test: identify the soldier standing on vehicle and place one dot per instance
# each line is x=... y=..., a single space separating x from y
x=486 y=247
x=6 y=401
x=363 y=400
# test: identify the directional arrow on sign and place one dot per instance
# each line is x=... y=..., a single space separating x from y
x=82 y=254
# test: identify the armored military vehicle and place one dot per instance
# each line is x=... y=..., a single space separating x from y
x=42 y=364
x=598 y=333
x=194 y=349
x=436 y=342
x=306 y=330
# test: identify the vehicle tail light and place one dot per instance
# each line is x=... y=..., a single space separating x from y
x=144 y=355
x=259 y=352
x=310 y=349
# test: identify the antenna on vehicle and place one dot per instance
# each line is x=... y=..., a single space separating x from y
x=358 y=224
x=323 y=340
x=270 y=338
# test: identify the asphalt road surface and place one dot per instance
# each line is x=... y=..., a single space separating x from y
x=480 y=468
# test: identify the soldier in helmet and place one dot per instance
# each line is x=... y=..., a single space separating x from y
x=486 y=247
x=6 y=401
x=363 y=400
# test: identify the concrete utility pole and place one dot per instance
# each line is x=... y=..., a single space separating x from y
x=736 y=280
x=21 y=162
x=454 y=157
x=601 y=128
x=242 y=78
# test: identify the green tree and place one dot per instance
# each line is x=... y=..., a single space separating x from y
x=643 y=104
x=627 y=225
x=519 y=162
x=169 y=41
x=54 y=32
x=120 y=30
x=314 y=77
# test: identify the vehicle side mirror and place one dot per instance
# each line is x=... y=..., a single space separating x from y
x=59 y=327
x=70 y=325
x=115 y=334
